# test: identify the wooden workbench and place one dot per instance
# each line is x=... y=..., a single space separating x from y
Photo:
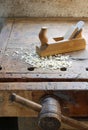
x=71 y=84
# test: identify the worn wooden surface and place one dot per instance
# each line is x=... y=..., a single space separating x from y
x=21 y=33
x=72 y=102
x=15 y=76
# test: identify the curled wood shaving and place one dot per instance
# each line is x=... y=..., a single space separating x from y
x=50 y=62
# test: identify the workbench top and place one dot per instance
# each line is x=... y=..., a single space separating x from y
x=17 y=76
x=20 y=34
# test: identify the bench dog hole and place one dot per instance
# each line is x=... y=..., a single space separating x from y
x=30 y=68
x=0 y=68
x=87 y=69
x=63 y=69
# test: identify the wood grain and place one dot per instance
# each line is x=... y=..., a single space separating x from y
x=4 y=37
x=15 y=76
x=72 y=102
x=24 y=34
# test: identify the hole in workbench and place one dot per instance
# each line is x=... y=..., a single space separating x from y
x=87 y=69
x=63 y=69
x=31 y=68
x=0 y=68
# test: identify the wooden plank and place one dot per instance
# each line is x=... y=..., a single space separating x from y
x=4 y=37
x=24 y=34
x=14 y=68
x=14 y=77
x=72 y=102
x=5 y=33
x=9 y=109
x=44 y=86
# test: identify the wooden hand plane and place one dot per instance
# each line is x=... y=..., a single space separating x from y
x=71 y=41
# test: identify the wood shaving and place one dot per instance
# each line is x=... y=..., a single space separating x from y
x=50 y=62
